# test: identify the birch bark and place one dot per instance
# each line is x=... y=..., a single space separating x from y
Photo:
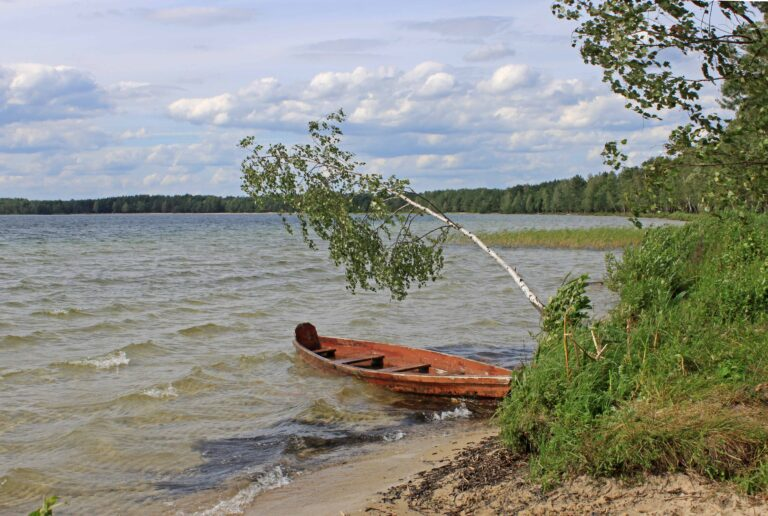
x=537 y=304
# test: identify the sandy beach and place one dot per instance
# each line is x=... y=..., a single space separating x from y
x=463 y=469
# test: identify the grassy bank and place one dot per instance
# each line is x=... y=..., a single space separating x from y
x=573 y=238
x=675 y=379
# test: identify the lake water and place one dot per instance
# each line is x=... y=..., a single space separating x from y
x=146 y=358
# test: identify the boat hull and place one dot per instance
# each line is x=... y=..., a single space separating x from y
x=448 y=375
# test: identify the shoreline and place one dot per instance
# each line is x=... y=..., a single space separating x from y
x=356 y=482
x=463 y=469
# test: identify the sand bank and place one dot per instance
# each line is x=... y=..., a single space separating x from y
x=464 y=470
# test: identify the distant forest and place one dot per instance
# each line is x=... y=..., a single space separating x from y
x=602 y=193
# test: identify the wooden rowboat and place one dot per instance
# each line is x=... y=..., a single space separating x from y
x=401 y=368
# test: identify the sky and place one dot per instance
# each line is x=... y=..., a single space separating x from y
x=103 y=98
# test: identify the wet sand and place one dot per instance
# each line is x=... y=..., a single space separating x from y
x=356 y=483
x=464 y=470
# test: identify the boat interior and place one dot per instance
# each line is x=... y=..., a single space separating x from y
x=389 y=358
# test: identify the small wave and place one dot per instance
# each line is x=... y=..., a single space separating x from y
x=486 y=323
x=460 y=412
x=63 y=313
x=161 y=393
x=143 y=349
x=116 y=308
x=266 y=356
x=237 y=504
x=239 y=279
x=322 y=412
x=18 y=340
x=195 y=382
x=9 y=373
x=203 y=329
x=106 y=362
x=101 y=326
x=393 y=436
x=255 y=314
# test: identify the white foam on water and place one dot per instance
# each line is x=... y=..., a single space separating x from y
x=161 y=394
x=238 y=503
x=393 y=436
x=106 y=362
x=460 y=412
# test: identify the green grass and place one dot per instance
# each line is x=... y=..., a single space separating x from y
x=675 y=215
x=682 y=383
x=573 y=238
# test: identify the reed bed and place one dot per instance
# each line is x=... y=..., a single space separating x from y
x=572 y=238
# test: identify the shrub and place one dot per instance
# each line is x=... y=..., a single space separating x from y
x=674 y=379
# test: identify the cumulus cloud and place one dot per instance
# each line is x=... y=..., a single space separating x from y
x=51 y=135
x=600 y=111
x=437 y=85
x=134 y=90
x=43 y=92
x=84 y=171
x=430 y=121
x=490 y=52
x=428 y=99
x=336 y=84
x=214 y=110
x=433 y=123
x=508 y=78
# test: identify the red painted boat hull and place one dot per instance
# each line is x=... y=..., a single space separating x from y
x=448 y=375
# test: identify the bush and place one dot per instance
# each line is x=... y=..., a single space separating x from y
x=673 y=380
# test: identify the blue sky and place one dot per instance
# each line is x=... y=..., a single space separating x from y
x=102 y=98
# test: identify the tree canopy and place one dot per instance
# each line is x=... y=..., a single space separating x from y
x=646 y=50
x=317 y=182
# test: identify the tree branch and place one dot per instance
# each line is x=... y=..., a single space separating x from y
x=537 y=304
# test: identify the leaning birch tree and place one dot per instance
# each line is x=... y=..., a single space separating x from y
x=379 y=249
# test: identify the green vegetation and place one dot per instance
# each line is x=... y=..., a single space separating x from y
x=640 y=46
x=675 y=379
x=47 y=508
x=601 y=193
x=137 y=204
x=574 y=238
x=318 y=182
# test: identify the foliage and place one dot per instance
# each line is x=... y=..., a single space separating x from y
x=642 y=47
x=680 y=381
x=568 y=307
x=47 y=508
x=317 y=183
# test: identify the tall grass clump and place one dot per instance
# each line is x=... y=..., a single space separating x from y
x=675 y=379
x=570 y=238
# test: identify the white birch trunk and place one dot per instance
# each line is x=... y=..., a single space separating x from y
x=510 y=270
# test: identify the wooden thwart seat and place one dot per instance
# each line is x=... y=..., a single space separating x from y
x=326 y=352
x=422 y=368
x=376 y=360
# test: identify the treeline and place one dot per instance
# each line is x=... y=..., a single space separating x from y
x=601 y=193
x=139 y=204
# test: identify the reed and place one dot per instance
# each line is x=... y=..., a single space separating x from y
x=573 y=238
